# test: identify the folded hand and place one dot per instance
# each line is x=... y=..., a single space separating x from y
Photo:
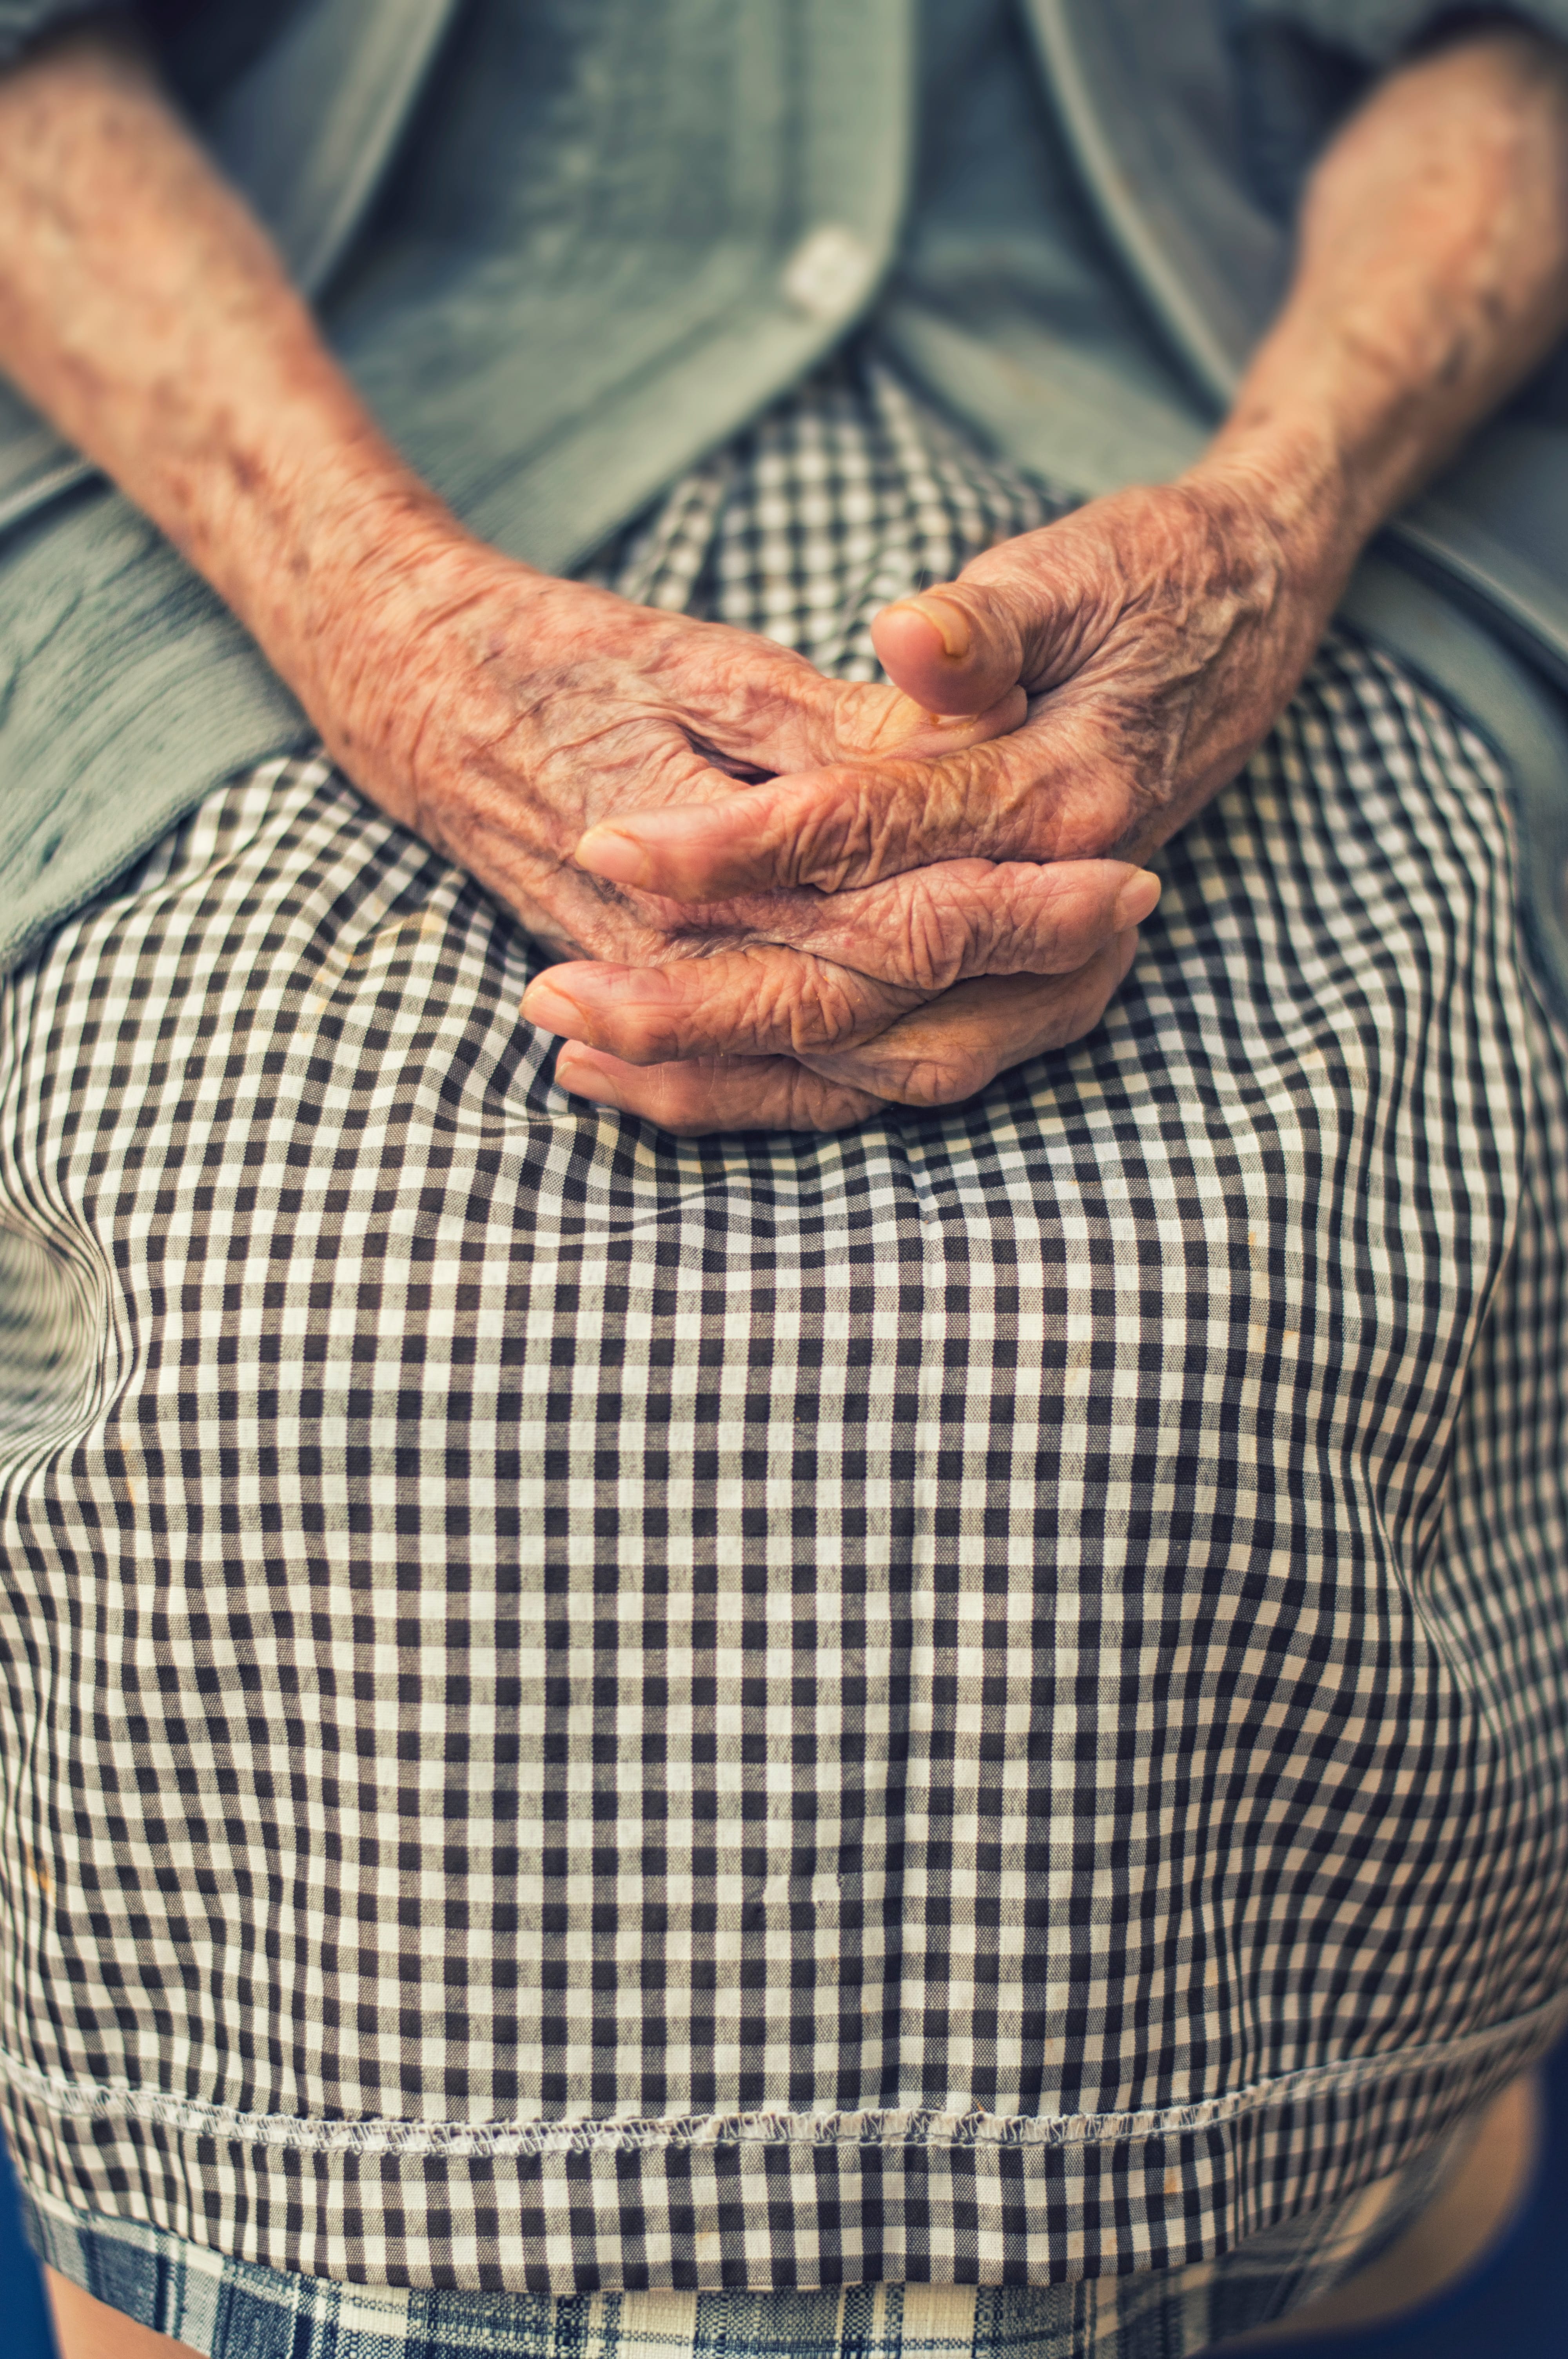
x=528 y=708
x=1151 y=640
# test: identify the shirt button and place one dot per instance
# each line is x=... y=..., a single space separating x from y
x=829 y=272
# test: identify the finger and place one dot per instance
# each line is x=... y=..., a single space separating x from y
x=942 y=1054
x=870 y=721
x=759 y=1001
x=1009 y=620
x=932 y=928
x=946 y=1051
x=1035 y=796
x=841 y=967
x=716 y=1093
x=955 y=650
x=770 y=710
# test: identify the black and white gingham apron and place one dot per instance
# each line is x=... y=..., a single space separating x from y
x=979 y=1701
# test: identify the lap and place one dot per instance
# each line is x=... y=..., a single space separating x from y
x=1071 y=1583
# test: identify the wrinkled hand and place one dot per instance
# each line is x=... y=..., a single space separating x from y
x=1156 y=636
x=526 y=710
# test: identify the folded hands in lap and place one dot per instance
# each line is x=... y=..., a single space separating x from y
x=801 y=900
x=530 y=709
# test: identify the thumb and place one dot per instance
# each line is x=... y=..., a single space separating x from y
x=958 y=649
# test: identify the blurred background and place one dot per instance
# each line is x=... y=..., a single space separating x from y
x=1515 y=2305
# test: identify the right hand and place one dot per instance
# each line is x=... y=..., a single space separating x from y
x=500 y=714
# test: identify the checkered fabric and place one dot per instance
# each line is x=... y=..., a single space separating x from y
x=232 y=2309
x=977 y=1701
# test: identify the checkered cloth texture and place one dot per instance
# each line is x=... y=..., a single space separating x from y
x=979 y=1700
x=233 y=2310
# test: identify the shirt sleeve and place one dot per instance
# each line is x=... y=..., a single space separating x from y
x=22 y=21
x=1378 y=31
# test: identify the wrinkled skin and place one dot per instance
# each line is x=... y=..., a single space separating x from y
x=1123 y=661
x=529 y=710
x=1146 y=643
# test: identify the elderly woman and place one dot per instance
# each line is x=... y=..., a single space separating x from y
x=760 y=1588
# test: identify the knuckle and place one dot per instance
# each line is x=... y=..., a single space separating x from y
x=793 y=1001
x=994 y=790
x=931 y=1076
x=923 y=951
x=946 y=927
x=805 y=1103
x=824 y=1010
x=844 y=839
x=944 y=1079
x=817 y=1104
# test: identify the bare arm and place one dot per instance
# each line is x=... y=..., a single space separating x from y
x=145 y=313
x=1431 y=277
x=142 y=310
x=1158 y=633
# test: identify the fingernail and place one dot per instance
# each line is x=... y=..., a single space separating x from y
x=591 y=1084
x=545 y=1005
x=1135 y=900
x=950 y=623
x=554 y=1010
x=605 y=851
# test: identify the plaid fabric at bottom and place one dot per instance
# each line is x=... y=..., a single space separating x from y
x=232 y=2309
x=979 y=1701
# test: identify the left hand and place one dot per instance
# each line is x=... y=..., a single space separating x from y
x=1157 y=635
x=935 y=1055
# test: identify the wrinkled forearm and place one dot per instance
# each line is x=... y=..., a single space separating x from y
x=144 y=311
x=1432 y=275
